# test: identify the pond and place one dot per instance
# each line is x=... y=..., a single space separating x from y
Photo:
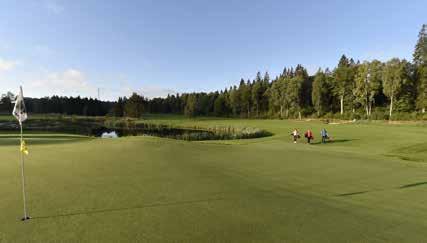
x=102 y=129
x=175 y=133
x=188 y=134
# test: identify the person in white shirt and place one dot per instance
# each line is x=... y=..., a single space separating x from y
x=295 y=135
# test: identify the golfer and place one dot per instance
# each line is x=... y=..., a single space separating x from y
x=308 y=135
x=324 y=135
x=295 y=135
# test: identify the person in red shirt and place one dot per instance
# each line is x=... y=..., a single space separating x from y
x=309 y=135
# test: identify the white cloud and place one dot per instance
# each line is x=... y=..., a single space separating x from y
x=68 y=82
x=149 y=91
x=155 y=91
x=75 y=82
x=124 y=87
x=54 y=6
x=6 y=65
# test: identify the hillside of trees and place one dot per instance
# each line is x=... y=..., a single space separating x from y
x=396 y=89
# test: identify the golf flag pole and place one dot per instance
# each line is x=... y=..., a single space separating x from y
x=20 y=113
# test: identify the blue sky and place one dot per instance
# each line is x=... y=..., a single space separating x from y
x=74 y=47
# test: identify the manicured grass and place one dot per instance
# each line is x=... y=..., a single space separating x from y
x=368 y=185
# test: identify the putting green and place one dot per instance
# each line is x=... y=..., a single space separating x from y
x=368 y=185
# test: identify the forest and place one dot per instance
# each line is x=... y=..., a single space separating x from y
x=395 y=89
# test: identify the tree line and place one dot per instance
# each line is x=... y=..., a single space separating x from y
x=353 y=89
x=59 y=105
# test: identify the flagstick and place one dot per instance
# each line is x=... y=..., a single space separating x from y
x=26 y=217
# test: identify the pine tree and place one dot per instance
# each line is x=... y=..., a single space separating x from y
x=264 y=97
x=277 y=94
x=134 y=106
x=119 y=107
x=422 y=88
x=220 y=106
x=234 y=98
x=320 y=92
x=257 y=92
x=245 y=96
x=295 y=89
x=406 y=99
x=420 y=53
x=6 y=102
x=257 y=96
x=190 y=109
x=306 y=87
x=343 y=80
x=420 y=61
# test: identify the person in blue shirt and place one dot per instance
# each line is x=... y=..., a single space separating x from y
x=324 y=135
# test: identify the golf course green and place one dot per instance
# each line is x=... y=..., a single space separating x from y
x=368 y=184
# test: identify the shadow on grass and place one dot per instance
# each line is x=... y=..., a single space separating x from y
x=413 y=185
x=110 y=210
x=32 y=136
x=335 y=141
x=351 y=194
x=40 y=141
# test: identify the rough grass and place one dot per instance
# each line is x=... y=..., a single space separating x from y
x=146 y=189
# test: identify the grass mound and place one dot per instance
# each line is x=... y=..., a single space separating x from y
x=148 y=189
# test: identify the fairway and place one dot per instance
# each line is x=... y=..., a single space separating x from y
x=367 y=185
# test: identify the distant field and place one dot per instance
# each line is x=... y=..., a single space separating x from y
x=368 y=185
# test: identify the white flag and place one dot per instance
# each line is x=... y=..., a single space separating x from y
x=19 y=110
